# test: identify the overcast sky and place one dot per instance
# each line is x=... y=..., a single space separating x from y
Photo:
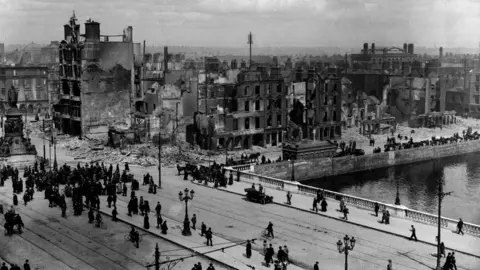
x=345 y=23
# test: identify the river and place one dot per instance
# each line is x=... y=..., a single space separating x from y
x=418 y=185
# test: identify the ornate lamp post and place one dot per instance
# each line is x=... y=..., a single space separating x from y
x=347 y=245
x=186 y=223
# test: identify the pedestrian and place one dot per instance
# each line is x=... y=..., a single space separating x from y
x=158 y=208
x=114 y=214
x=124 y=190
x=270 y=230
x=414 y=235
x=91 y=217
x=203 y=229
x=146 y=222
x=194 y=221
x=164 y=227
x=249 y=249
x=4 y=266
x=389 y=265
x=460 y=227
x=377 y=208
x=285 y=249
x=15 y=199
x=209 y=236
x=159 y=221
x=315 y=207
x=316 y=267
x=387 y=217
x=289 y=198
x=453 y=261
x=448 y=261
x=324 y=205
x=345 y=213
x=26 y=265
x=442 y=249
x=210 y=267
x=109 y=201
x=280 y=254
x=265 y=246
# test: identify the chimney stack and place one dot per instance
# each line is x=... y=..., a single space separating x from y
x=410 y=48
x=365 y=48
x=441 y=52
x=405 y=48
x=373 y=48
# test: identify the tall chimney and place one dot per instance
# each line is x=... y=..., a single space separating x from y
x=405 y=47
x=427 y=95
x=441 y=52
x=410 y=48
x=165 y=59
x=373 y=48
x=365 y=48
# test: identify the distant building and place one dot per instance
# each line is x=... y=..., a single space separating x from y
x=2 y=52
x=386 y=58
x=97 y=79
x=31 y=84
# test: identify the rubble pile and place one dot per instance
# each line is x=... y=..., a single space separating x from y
x=35 y=128
x=147 y=154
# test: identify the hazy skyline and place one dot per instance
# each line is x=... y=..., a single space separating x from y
x=344 y=23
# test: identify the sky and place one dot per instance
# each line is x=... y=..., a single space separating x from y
x=226 y=23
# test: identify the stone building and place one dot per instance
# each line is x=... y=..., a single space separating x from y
x=388 y=58
x=97 y=79
x=252 y=111
x=31 y=85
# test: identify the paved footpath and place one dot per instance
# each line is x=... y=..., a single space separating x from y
x=468 y=244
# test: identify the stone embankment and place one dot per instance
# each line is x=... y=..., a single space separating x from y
x=323 y=167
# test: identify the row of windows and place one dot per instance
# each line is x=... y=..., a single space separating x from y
x=257 y=122
x=247 y=91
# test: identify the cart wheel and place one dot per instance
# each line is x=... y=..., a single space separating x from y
x=127 y=237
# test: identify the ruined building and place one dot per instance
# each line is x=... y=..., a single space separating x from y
x=97 y=79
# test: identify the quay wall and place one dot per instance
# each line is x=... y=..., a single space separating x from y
x=245 y=173
x=323 y=167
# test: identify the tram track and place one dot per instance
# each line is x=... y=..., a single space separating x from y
x=93 y=248
x=386 y=251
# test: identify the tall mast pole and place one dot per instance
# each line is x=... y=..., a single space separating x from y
x=250 y=42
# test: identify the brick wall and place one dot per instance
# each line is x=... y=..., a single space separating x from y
x=322 y=167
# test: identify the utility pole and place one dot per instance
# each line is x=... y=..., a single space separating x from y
x=225 y=123
x=250 y=42
x=165 y=64
x=157 y=258
x=441 y=195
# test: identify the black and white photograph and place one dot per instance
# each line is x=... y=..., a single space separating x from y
x=240 y=134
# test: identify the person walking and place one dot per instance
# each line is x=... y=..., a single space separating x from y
x=289 y=198
x=376 y=208
x=114 y=214
x=146 y=222
x=270 y=230
x=389 y=265
x=460 y=227
x=249 y=249
x=414 y=234
x=26 y=265
x=194 y=221
x=209 y=236
x=285 y=249
x=314 y=206
x=316 y=267
x=158 y=208
x=164 y=227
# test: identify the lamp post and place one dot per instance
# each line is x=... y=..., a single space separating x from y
x=397 y=198
x=293 y=170
x=345 y=247
x=186 y=223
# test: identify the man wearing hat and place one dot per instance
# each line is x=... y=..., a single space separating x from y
x=389 y=266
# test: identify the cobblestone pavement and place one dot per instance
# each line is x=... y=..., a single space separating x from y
x=52 y=242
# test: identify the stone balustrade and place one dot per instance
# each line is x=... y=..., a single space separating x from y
x=395 y=210
x=244 y=167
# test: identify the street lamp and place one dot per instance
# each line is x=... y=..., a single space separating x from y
x=397 y=198
x=347 y=245
x=186 y=223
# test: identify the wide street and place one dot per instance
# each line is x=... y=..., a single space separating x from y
x=309 y=237
x=52 y=242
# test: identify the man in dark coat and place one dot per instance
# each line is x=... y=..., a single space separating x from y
x=158 y=208
x=249 y=249
x=146 y=222
x=26 y=266
x=114 y=214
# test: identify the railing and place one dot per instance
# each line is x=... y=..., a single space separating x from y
x=243 y=167
x=398 y=211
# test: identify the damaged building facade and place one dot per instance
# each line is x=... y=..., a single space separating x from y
x=96 y=79
x=249 y=110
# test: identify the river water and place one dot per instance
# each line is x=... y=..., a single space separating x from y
x=418 y=185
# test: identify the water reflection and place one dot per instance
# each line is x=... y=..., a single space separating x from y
x=418 y=185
